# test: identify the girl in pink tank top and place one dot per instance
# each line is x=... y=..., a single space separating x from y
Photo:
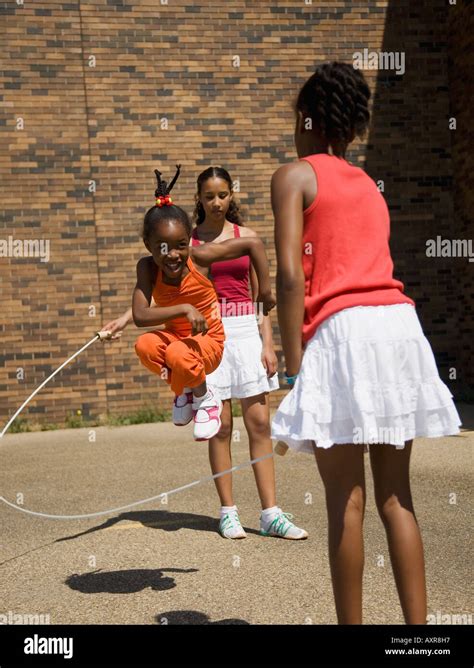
x=231 y=280
x=249 y=368
x=361 y=370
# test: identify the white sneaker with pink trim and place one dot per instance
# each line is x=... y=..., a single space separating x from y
x=207 y=411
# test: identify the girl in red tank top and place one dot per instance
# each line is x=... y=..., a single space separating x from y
x=361 y=370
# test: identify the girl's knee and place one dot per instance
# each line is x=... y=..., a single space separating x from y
x=178 y=354
x=392 y=506
x=356 y=501
x=212 y=361
x=225 y=432
x=145 y=345
x=258 y=426
x=348 y=503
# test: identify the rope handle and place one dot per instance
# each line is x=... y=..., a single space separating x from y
x=104 y=334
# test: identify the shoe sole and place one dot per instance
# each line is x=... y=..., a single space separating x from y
x=219 y=424
x=277 y=535
x=232 y=538
x=182 y=424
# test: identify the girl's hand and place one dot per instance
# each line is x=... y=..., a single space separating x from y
x=267 y=300
x=197 y=320
x=116 y=327
x=269 y=360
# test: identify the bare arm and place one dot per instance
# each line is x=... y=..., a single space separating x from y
x=268 y=357
x=127 y=316
x=117 y=325
x=287 y=204
x=265 y=325
x=145 y=315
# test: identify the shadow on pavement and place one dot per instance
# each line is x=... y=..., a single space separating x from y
x=160 y=519
x=125 y=582
x=192 y=617
x=466 y=413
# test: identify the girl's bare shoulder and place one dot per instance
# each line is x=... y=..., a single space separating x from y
x=146 y=270
x=146 y=263
x=247 y=232
x=197 y=251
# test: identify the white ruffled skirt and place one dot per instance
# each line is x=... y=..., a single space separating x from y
x=241 y=372
x=368 y=375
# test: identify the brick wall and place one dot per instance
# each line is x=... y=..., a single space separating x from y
x=425 y=169
x=88 y=89
x=461 y=86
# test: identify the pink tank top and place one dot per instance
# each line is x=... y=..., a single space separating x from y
x=231 y=281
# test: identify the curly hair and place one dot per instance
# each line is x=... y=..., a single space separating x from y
x=233 y=214
x=336 y=99
x=161 y=214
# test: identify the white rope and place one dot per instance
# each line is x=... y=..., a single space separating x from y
x=136 y=503
x=99 y=335
x=104 y=335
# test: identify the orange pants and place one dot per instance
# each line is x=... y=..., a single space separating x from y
x=186 y=360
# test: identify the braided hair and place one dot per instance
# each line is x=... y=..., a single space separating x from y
x=336 y=99
x=165 y=213
x=233 y=213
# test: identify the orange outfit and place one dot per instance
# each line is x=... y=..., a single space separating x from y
x=187 y=358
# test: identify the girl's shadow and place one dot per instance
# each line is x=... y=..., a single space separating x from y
x=125 y=582
x=160 y=519
x=174 y=617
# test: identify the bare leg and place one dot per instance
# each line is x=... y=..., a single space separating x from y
x=342 y=472
x=390 y=469
x=220 y=456
x=256 y=414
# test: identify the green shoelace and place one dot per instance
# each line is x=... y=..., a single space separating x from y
x=281 y=524
x=228 y=521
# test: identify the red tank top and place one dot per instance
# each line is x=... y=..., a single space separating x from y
x=346 y=254
x=231 y=281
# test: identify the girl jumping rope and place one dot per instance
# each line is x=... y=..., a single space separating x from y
x=248 y=369
x=367 y=374
x=176 y=275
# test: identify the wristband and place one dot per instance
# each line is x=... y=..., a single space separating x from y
x=291 y=379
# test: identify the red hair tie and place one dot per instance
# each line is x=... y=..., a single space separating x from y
x=164 y=201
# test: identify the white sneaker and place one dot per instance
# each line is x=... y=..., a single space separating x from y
x=207 y=411
x=183 y=408
x=230 y=526
x=280 y=525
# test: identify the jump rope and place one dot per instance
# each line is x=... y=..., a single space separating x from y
x=280 y=448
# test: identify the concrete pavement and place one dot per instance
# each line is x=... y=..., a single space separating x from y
x=165 y=563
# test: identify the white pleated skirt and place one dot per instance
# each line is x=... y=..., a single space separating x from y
x=368 y=375
x=241 y=372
